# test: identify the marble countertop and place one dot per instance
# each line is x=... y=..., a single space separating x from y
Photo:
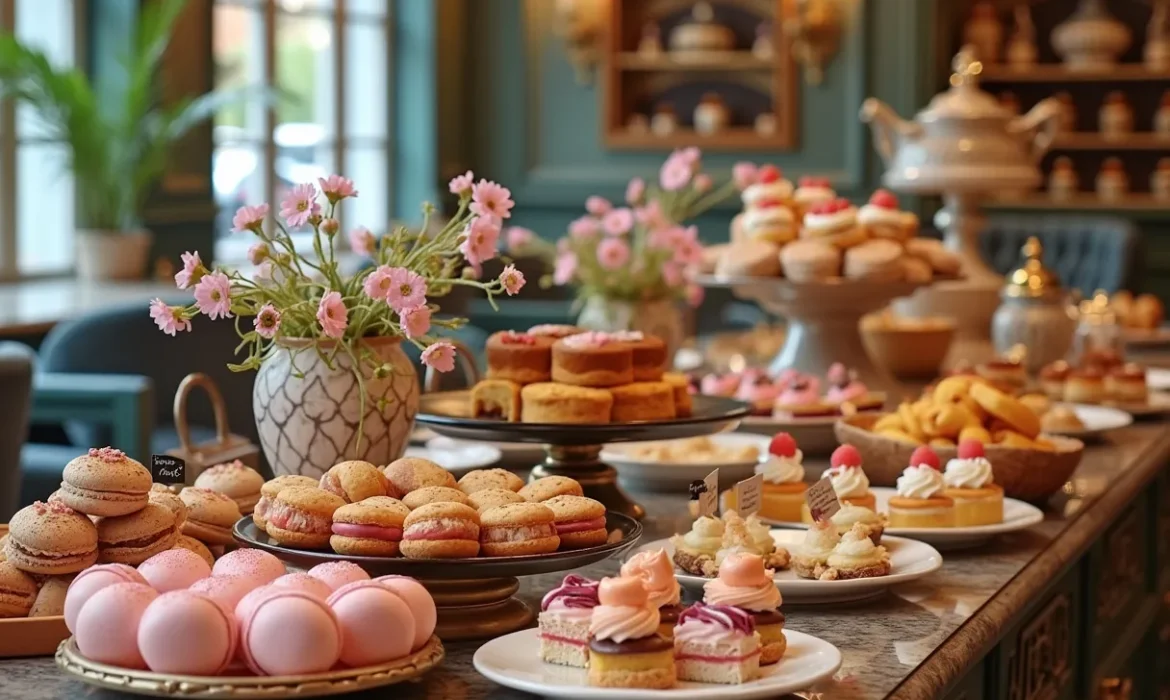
x=910 y=643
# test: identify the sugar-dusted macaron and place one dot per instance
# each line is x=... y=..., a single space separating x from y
x=235 y=480
x=163 y=496
x=580 y=521
x=551 y=487
x=134 y=538
x=286 y=632
x=301 y=581
x=441 y=531
x=355 y=481
x=104 y=481
x=376 y=624
x=271 y=488
x=420 y=602
x=228 y=591
x=106 y=629
x=516 y=529
x=193 y=545
x=255 y=564
x=50 y=600
x=173 y=570
x=18 y=591
x=303 y=517
x=4 y=546
x=210 y=516
x=336 y=574
x=92 y=580
x=372 y=527
x=490 y=498
x=186 y=632
x=480 y=479
x=433 y=494
x=51 y=538
x=411 y=473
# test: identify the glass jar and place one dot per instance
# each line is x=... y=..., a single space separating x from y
x=1098 y=341
x=1035 y=313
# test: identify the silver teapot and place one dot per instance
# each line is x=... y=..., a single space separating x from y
x=1035 y=313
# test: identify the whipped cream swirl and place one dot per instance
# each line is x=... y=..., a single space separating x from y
x=855 y=549
x=622 y=622
x=819 y=542
x=783 y=470
x=974 y=473
x=850 y=514
x=835 y=221
x=780 y=189
x=755 y=598
x=920 y=482
x=706 y=535
x=848 y=481
x=873 y=214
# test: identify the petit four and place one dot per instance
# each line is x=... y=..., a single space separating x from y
x=490 y=498
x=1053 y=377
x=300 y=517
x=695 y=551
x=1127 y=384
x=758 y=390
x=376 y=623
x=84 y=586
x=105 y=482
x=482 y=479
x=208 y=639
x=354 y=481
x=407 y=474
x=626 y=650
x=1085 y=385
x=802 y=399
x=173 y=570
x=783 y=488
x=440 y=531
x=285 y=631
x=681 y=385
x=433 y=494
x=106 y=628
x=50 y=600
x=336 y=574
x=268 y=493
x=746 y=258
x=18 y=592
x=656 y=572
x=642 y=401
x=255 y=564
x=648 y=354
x=716 y=644
x=421 y=605
x=810 y=260
x=856 y=556
x=549 y=487
x=1061 y=419
x=591 y=359
x=844 y=387
x=849 y=515
x=372 y=527
x=563 y=623
x=970 y=483
x=739 y=538
x=921 y=501
x=53 y=539
x=745 y=583
x=811 y=191
x=877 y=260
x=211 y=516
x=848 y=478
x=810 y=557
x=136 y=537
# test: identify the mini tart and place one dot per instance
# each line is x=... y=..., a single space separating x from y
x=235 y=480
x=843 y=565
x=105 y=482
x=683 y=403
x=549 y=402
x=303 y=517
x=981 y=506
x=490 y=498
x=1086 y=385
x=355 y=481
x=483 y=479
x=134 y=538
x=271 y=488
x=647 y=662
x=591 y=360
x=549 y=487
x=496 y=398
x=433 y=494
x=649 y=358
x=410 y=473
x=441 y=531
x=938 y=511
x=1127 y=384
x=372 y=527
x=782 y=501
x=519 y=357
x=210 y=516
x=579 y=521
x=50 y=538
x=642 y=401
x=518 y=529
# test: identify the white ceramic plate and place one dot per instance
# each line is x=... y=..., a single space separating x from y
x=642 y=473
x=1017 y=515
x=1097 y=419
x=514 y=661
x=1157 y=403
x=1158 y=379
x=513 y=453
x=909 y=560
x=456 y=455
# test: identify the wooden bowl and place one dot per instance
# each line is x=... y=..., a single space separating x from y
x=909 y=351
x=1029 y=475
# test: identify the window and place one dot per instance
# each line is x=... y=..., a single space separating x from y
x=36 y=187
x=329 y=64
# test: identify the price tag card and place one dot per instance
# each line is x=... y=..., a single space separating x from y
x=706 y=493
x=747 y=495
x=166 y=469
x=822 y=500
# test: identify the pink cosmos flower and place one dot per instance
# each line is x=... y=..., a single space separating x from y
x=461 y=184
x=584 y=228
x=258 y=253
x=651 y=216
x=597 y=206
x=362 y=241
x=377 y=283
x=337 y=188
x=512 y=279
x=672 y=274
x=441 y=356
x=267 y=321
x=676 y=172
x=249 y=218
x=213 y=295
x=565 y=268
x=169 y=319
x=491 y=200
x=618 y=222
x=483 y=235
x=407 y=289
x=332 y=315
x=299 y=205
x=744 y=175
x=519 y=237
x=695 y=295
x=702 y=182
x=687 y=248
x=415 y=321
x=692 y=155
x=612 y=253
x=635 y=190
x=192 y=270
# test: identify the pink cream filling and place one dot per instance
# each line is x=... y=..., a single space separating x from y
x=715 y=659
x=369 y=532
x=442 y=529
x=565 y=640
x=581 y=525
x=293 y=519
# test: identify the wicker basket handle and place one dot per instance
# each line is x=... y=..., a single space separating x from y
x=193 y=381
x=466 y=363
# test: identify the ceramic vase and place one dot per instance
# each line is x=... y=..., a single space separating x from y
x=658 y=318
x=984 y=31
x=1091 y=39
x=308 y=413
x=112 y=255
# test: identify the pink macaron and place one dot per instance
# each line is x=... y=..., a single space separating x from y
x=187 y=632
x=306 y=583
x=338 y=573
x=376 y=624
x=228 y=591
x=91 y=581
x=254 y=563
x=106 y=630
x=289 y=632
x=420 y=602
x=174 y=569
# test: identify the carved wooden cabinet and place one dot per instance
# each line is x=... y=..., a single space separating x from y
x=1040 y=657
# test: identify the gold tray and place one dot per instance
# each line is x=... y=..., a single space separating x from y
x=164 y=685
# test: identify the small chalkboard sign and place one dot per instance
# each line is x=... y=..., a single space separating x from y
x=167 y=469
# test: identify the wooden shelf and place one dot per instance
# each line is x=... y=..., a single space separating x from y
x=733 y=139
x=1059 y=73
x=1137 y=201
x=1092 y=141
x=714 y=61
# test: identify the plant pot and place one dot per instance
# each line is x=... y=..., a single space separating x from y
x=112 y=255
x=658 y=318
x=307 y=414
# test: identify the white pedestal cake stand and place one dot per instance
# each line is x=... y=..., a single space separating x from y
x=823 y=321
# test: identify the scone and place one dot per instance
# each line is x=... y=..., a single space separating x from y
x=591 y=359
x=878 y=260
x=642 y=401
x=810 y=261
x=750 y=259
x=549 y=402
x=496 y=398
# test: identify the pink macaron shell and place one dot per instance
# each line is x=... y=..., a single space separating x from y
x=376 y=624
x=254 y=563
x=107 y=626
x=304 y=582
x=91 y=581
x=187 y=632
x=228 y=591
x=290 y=632
x=174 y=570
x=339 y=573
x=420 y=602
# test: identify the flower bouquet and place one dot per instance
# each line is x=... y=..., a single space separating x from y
x=333 y=382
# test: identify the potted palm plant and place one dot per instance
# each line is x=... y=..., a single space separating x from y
x=118 y=140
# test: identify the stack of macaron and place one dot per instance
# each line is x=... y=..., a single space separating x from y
x=176 y=614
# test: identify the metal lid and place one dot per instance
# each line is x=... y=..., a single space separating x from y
x=964 y=100
x=1032 y=280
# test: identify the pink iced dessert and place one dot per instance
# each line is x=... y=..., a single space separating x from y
x=758 y=389
x=845 y=387
x=802 y=399
x=720 y=384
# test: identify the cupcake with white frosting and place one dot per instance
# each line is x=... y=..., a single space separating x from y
x=969 y=480
x=881 y=218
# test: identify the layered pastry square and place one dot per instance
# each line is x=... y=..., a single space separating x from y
x=716 y=644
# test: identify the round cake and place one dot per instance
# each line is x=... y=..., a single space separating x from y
x=549 y=402
x=649 y=355
x=523 y=358
x=592 y=359
x=642 y=401
x=496 y=398
x=681 y=386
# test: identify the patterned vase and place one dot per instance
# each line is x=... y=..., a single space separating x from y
x=307 y=414
x=659 y=318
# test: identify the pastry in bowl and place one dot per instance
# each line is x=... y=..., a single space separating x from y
x=920 y=501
